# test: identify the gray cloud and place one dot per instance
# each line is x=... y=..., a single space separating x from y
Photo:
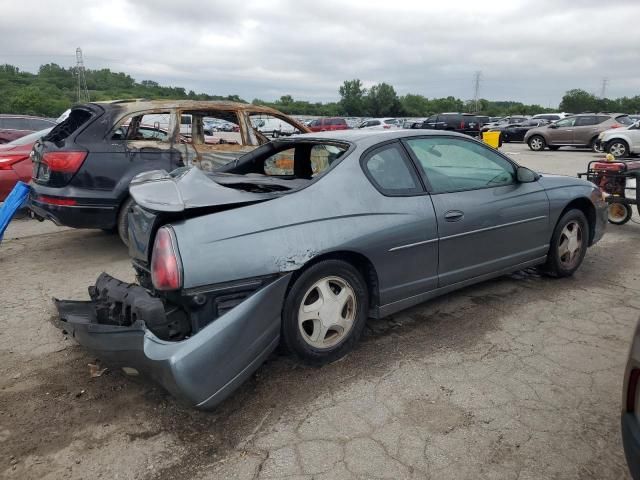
x=531 y=51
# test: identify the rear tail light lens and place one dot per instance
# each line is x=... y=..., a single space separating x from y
x=616 y=125
x=7 y=161
x=63 y=202
x=632 y=388
x=64 y=162
x=166 y=268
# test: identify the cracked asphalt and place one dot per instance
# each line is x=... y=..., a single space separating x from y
x=516 y=378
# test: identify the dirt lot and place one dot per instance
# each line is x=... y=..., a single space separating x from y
x=517 y=378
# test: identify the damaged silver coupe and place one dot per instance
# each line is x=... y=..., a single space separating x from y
x=301 y=240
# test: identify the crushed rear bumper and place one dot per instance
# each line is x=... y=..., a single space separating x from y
x=203 y=369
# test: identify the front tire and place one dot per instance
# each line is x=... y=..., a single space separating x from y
x=568 y=245
x=537 y=143
x=618 y=148
x=325 y=312
x=123 y=220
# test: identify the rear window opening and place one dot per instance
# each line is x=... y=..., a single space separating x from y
x=281 y=166
x=76 y=119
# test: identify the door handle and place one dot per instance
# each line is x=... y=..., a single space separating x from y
x=453 y=215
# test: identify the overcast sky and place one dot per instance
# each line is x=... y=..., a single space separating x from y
x=531 y=51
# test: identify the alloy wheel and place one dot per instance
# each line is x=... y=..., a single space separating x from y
x=618 y=149
x=536 y=143
x=327 y=312
x=570 y=244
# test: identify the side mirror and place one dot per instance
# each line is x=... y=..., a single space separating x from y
x=553 y=125
x=524 y=175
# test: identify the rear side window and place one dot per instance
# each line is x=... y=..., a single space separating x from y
x=37 y=124
x=76 y=119
x=586 y=121
x=151 y=126
x=390 y=171
x=15 y=123
x=337 y=121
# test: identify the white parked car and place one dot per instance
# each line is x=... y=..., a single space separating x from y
x=272 y=126
x=380 y=123
x=552 y=117
x=621 y=142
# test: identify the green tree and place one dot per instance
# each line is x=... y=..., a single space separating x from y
x=577 y=101
x=415 y=105
x=382 y=100
x=352 y=95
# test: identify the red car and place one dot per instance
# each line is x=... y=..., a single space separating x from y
x=17 y=126
x=328 y=124
x=15 y=163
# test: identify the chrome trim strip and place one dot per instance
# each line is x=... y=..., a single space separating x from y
x=424 y=242
x=494 y=227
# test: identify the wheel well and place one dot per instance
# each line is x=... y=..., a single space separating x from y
x=618 y=139
x=586 y=207
x=360 y=262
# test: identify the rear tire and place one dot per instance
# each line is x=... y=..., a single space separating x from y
x=619 y=213
x=593 y=146
x=537 y=143
x=568 y=244
x=312 y=329
x=123 y=220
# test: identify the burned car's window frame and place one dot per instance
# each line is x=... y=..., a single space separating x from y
x=171 y=138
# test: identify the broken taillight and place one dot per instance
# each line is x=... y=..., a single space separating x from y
x=64 y=162
x=166 y=268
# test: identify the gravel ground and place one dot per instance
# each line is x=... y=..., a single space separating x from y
x=516 y=378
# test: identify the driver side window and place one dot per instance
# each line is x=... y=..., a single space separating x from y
x=567 y=122
x=451 y=164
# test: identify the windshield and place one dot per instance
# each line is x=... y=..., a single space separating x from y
x=31 y=138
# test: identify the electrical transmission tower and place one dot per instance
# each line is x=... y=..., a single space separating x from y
x=82 y=91
x=476 y=88
x=603 y=89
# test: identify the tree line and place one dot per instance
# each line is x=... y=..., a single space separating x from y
x=53 y=89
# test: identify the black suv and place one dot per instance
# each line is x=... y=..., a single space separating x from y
x=457 y=122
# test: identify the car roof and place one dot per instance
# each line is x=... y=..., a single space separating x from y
x=598 y=113
x=137 y=105
x=371 y=137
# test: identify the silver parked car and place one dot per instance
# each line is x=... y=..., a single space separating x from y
x=303 y=239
